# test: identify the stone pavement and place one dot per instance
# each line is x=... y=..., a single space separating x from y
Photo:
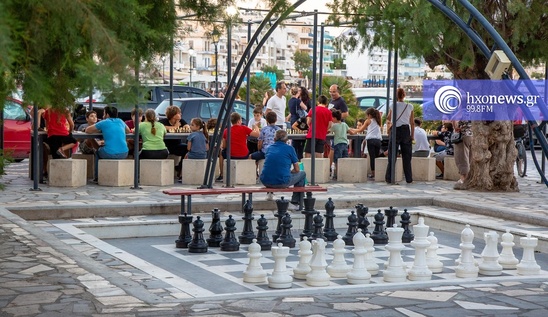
x=40 y=275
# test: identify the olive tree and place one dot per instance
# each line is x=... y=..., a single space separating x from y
x=420 y=29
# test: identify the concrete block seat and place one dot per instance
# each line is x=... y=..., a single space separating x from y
x=156 y=172
x=322 y=169
x=67 y=172
x=90 y=173
x=353 y=169
x=242 y=172
x=193 y=171
x=451 y=171
x=381 y=164
x=424 y=168
x=115 y=173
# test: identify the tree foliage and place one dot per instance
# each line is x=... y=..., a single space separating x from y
x=258 y=86
x=420 y=29
x=302 y=60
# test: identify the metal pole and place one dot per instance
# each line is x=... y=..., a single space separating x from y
x=171 y=73
x=190 y=70
x=248 y=85
x=228 y=94
x=321 y=59
x=394 y=146
x=36 y=149
x=314 y=83
x=216 y=72
x=229 y=54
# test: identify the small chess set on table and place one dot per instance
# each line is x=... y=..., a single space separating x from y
x=179 y=130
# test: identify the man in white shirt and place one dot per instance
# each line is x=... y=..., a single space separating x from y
x=277 y=104
x=422 y=147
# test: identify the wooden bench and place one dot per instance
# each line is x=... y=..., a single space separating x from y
x=235 y=190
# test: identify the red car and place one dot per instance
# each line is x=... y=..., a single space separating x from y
x=17 y=129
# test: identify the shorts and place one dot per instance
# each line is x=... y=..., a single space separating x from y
x=257 y=156
x=441 y=155
x=340 y=150
x=319 y=147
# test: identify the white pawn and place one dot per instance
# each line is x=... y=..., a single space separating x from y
x=490 y=255
x=305 y=254
x=507 y=258
x=432 y=260
x=280 y=277
x=528 y=264
x=395 y=271
x=467 y=267
x=318 y=275
x=420 y=270
x=254 y=272
x=370 y=264
x=358 y=274
x=338 y=267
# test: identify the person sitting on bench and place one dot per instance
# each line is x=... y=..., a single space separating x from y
x=277 y=171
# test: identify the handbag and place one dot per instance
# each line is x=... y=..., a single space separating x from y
x=301 y=113
x=456 y=137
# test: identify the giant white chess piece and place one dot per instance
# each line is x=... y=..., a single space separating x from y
x=280 y=277
x=338 y=267
x=305 y=254
x=432 y=260
x=507 y=258
x=318 y=275
x=358 y=274
x=370 y=264
x=395 y=272
x=528 y=264
x=420 y=270
x=254 y=272
x=490 y=255
x=467 y=267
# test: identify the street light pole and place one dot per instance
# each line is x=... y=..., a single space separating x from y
x=163 y=69
x=215 y=39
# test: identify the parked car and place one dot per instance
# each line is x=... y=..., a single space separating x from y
x=365 y=102
x=203 y=108
x=153 y=95
x=16 y=127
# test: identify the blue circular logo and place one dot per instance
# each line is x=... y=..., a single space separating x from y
x=447 y=99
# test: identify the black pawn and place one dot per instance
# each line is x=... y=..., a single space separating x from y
x=247 y=235
x=215 y=229
x=390 y=214
x=198 y=244
x=352 y=228
x=407 y=235
x=379 y=235
x=184 y=236
x=318 y=225
x=286 y=238
x=262 y=235
x=282 y=206
x=363 y=223
x=230 y=243
x=329 y=229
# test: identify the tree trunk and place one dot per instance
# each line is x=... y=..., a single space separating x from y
x=492 y=159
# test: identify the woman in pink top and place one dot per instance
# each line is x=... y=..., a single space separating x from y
x=323 y=124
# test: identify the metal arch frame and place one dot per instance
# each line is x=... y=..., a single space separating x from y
x=235 y=83
x=501 y=44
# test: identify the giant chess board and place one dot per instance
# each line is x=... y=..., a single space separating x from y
x=220 y=272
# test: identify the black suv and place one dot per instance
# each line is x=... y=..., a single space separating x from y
x=153 y=95
x=203 y=108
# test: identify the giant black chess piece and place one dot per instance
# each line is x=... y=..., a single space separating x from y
x=352 y=228
x=247 y=235
x=230 y=243
x=286 y=238
x=407 y=235
x=282 y=205
x=329 y=229
x=318 y=225
x=308 y=213
x=379 y=235
x=184 y=236
x=262 y=235
x=215 y=229
x=363 y=223
x=198 y=244
x=390 y=214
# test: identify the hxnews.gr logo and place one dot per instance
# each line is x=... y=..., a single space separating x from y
x=480 y=100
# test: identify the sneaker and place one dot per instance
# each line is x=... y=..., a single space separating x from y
x=439 y=176
x=61 y=154
x=270 y=196
x=293 y=207
x=219 y=179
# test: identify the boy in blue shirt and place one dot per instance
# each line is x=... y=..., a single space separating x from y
x=340 y=140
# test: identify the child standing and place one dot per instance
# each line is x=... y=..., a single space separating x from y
x=252 y=143
x=340 y=140
x=323 y=123
x=197 y=141
x=373 y=138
